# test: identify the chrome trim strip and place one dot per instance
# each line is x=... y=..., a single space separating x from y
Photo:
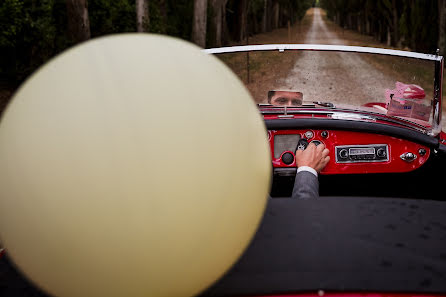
x=322 y=47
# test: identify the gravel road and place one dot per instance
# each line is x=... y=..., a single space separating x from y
x=326 y=76
x=336 y=77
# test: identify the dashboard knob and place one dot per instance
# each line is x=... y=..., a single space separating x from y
x=324 y=134
x=381 y=152
x=302 y=144
x=287 y=158
x=343 y=154
x=309 y=134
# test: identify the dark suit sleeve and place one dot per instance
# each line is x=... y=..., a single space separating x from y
x=306 y=186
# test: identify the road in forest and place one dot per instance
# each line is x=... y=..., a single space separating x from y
x=336 y=77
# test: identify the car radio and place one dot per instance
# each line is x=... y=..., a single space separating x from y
x=362 y=153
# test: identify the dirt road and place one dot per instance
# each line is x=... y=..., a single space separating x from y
x=326 y=76
x=336 y=77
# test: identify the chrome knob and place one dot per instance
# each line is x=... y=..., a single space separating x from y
x=408 y=157
x=381 y=153
x=343 y=154
x=309 y=134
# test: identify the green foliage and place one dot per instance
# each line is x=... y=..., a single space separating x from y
x=27 y=36
x=179 y=18
x=107 y=17
x=255 y=14
x=301 y=7
x=417 y=20
x=157 y=23
x=11 y=22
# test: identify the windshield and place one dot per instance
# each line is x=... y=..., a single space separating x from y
x=394 y=86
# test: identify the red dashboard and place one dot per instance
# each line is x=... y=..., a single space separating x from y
x=350 y=152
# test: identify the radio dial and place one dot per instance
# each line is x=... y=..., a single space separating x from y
x=381 y=153
x=343 y=154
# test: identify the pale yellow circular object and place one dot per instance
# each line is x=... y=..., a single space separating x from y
x=131 y=165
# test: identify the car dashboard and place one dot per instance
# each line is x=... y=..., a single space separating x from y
x=367 y=158
x=350 y=152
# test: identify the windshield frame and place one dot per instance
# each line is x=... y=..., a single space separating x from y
x=437 y=59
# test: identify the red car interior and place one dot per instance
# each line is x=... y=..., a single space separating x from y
x=343 y=141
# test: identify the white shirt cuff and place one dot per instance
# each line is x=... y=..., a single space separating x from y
x=306 y=168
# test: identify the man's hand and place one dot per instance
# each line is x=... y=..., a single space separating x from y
x=313 y=156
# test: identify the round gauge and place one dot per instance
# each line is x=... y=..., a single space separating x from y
x=309 y=134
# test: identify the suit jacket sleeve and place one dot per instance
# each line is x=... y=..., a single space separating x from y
x=306 y=186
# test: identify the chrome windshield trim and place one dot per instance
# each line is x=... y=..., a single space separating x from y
x=438 y=94
x=439 y=65
x=322 y=47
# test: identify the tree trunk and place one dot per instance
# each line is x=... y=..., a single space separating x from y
x=264 y=17
x=275 y=20
x=412 y=37
x=389 y=37
x=396 y=37
x=367 y=23
x=163 y=12
x=442 y=29
x=78 y=21
x=199 y=22
x=242 y=17
x=218 y=9
x=142 y=15
x=382 y=31
x=225 y=36
x=269 y=17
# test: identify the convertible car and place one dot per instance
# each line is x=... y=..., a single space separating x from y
x=379 y=227
x=378 y=111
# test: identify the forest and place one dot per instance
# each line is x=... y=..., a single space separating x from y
x=417 y=25
x=33 y=31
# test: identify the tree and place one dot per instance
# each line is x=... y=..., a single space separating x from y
x=218 y=8
x=199 y=23
x=142 y=15
x=275 y=14
x=242 y=18
x=265 y=16
x=442 y=26
x=78 y=21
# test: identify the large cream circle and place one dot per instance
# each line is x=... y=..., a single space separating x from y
x=131 y=165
